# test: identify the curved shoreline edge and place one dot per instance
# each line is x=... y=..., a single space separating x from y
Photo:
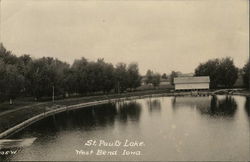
x=41 y=116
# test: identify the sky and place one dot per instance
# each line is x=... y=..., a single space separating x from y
x=161 y=35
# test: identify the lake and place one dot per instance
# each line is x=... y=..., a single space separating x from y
x=156 y=129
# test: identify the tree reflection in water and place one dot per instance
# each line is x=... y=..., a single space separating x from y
x=222 y=107
x=100 y=116
x=191 y=102
x=212 y=106
x=129 y=111
x=104 y=114
x=88 y=118
x=247 y=106
x=85 y=118
x=154 y=105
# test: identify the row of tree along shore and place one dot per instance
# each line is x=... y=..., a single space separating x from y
x=51 y=77
x=46 y=76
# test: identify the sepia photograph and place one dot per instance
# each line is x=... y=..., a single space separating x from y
x=124 y=80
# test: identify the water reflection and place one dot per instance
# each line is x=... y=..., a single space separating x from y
x=104 y=115
x=212 y=106
x=101 y=116
x=129 y=111
x=87 y=118
x=191 y=102
x=224 y=107
x=247 y=106
x=154 y=105
x=198 y=130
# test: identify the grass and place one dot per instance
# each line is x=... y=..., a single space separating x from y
x=18 y=103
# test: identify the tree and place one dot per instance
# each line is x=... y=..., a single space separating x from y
x=80 y=72
x=69 y=81
x=108 y=77
x=59 y=71
x=156 y=79
x=93 y=76
x=98 y=74
x=210 y=68
x=44 y=74
x=13 y=81
x=134 y=78
x=172 y=76
x=246 y=72
x=121 y=77
x=222 y=72
x=22 y=67
x=227 y=72
x=39 y=78
x=164 y=76
x=149 y=76
x=7 y=56
x=2 y=80
x=153 y=78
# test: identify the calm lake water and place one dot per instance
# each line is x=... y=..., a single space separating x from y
x=169 y=129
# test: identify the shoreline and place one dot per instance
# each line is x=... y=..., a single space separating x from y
x=43 y=115
x=37 y=117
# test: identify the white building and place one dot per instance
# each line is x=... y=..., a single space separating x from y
x=192 y=83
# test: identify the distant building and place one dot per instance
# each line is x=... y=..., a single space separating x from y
x=192 y=83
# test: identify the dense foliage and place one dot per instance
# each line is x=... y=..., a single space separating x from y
x=222 y=72
x=38 y=77
x=153 y=78
x=246 y=73
x=172 y=76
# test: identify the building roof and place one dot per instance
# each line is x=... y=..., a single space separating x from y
x=185 y=75
x=200 y=79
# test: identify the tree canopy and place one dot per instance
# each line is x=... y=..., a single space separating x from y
x=222 y=72
x=246 y=73
x=36 y=77
x=153 y=78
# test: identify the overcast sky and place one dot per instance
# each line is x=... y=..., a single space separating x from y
x=162 y=35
